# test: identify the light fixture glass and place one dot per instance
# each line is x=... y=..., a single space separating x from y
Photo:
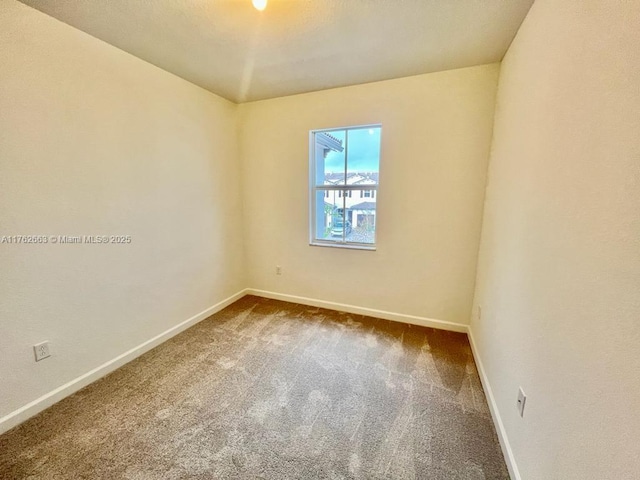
x=259 y=4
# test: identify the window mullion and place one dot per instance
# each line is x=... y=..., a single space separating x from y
x=346 y=155
x=347 y=187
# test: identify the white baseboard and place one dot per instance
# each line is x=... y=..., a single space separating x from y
x=20 y=415
x=343 y=307
x=495 y=413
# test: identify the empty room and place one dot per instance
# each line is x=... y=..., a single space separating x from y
x=320 y=239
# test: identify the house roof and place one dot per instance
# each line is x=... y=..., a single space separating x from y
x=353 y=178
x=329 y=142
x=364 y=206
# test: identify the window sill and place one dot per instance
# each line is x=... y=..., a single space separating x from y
x=350 y=246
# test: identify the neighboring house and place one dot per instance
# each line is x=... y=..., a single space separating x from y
x=360 y=205
x=364 y=215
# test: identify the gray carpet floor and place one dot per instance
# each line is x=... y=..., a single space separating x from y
x=273 y=390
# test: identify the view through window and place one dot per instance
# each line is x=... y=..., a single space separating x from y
x=345 y=167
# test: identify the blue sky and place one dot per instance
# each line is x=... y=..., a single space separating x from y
x=364 y=151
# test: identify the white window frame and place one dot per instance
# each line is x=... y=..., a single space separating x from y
x=313 y=189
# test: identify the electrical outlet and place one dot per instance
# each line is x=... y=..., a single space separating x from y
x=278 y=270
x=522 y=399
x=41 y=351
x=479 y=312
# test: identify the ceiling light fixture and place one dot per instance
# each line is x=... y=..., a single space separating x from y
x=259 y=4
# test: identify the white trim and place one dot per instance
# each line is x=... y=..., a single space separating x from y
x=32 y=408
x=352 y=245
x=510 y=460
x=343 y=307
x=353 y=187
x=347 y=127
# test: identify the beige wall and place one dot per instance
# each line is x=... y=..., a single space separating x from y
x=559 y=274
x=95 y=141
x=436 y=132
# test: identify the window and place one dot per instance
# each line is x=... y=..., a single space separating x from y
x=344 y=173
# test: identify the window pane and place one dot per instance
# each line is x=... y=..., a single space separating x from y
x=361 y=215
x=363 y=156
x=330 y=157
x=348 y=160
x=327 y=210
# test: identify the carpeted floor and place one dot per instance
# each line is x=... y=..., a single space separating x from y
x=273 y=390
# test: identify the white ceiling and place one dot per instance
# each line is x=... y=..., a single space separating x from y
x=295 y=46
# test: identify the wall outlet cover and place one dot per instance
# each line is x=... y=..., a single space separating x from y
x=522 y=399
x=41 y=351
